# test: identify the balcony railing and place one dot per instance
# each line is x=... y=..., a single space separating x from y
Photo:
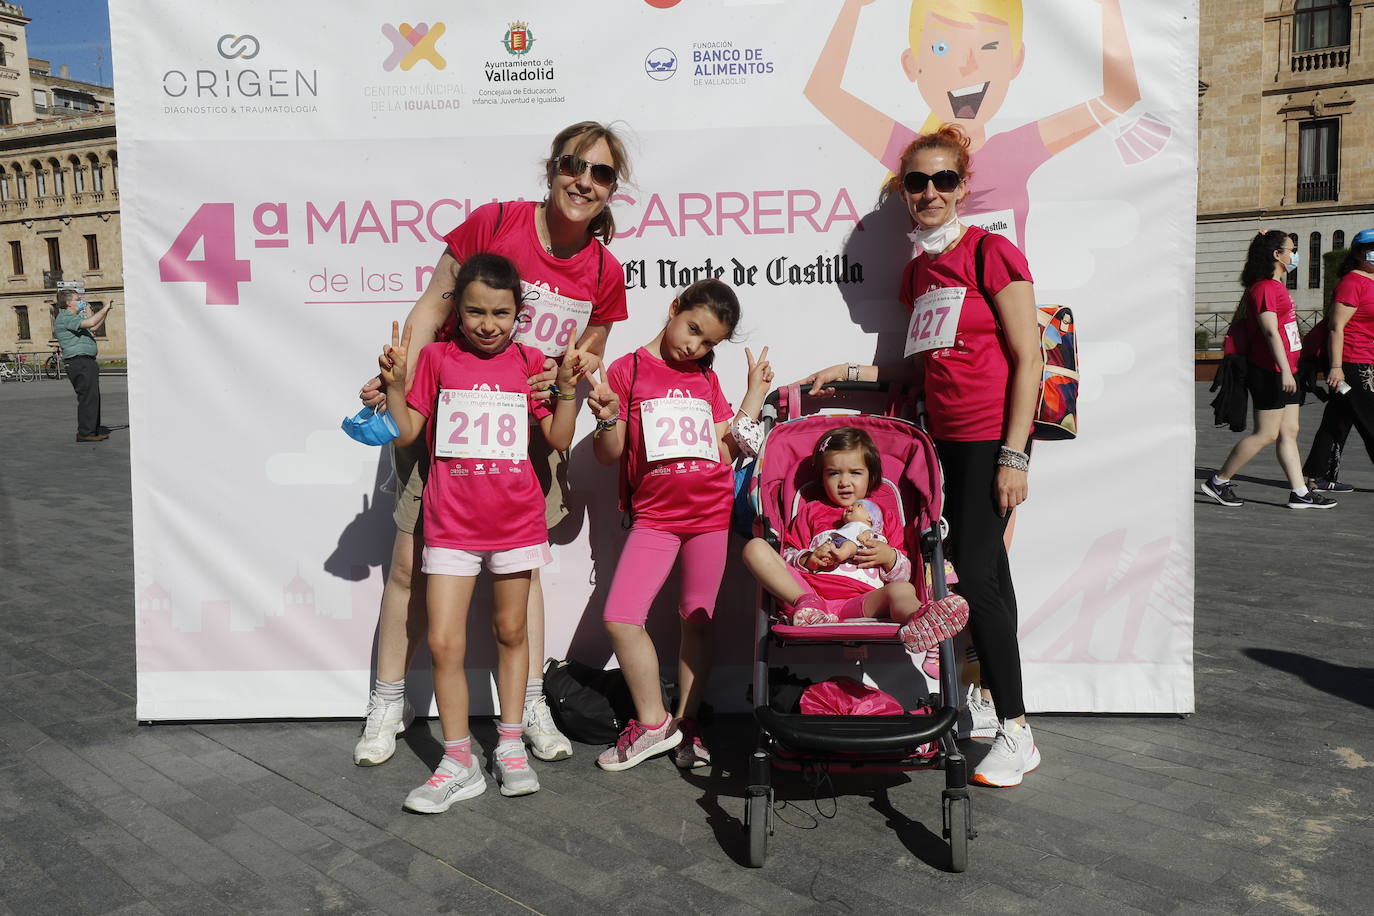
x=1319 y=59
x=1210 y=327
x=1317 y=187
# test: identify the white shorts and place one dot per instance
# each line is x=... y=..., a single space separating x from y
x=446 y=561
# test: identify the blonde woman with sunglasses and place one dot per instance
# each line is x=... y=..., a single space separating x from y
x=573 y=292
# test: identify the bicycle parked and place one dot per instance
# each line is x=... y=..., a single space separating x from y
x=15 y=367
x=54 y=366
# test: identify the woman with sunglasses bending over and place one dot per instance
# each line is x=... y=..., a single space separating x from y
x=979 y=365
x=573 y=290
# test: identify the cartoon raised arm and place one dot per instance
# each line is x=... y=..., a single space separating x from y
x=1119 y=88
x=861 y=122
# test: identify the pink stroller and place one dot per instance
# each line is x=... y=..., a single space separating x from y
x=783 y=480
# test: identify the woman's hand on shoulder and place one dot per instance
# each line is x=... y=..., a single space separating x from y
x=539 y=384
x=1010 y=489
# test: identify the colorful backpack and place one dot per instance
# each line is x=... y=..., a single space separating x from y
x=1056 y=415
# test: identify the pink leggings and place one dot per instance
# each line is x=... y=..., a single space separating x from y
x=644 y=566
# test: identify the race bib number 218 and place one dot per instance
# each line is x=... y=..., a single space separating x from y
x=482 y=424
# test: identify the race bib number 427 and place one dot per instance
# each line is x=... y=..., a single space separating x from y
x=934 y=319
x=481 y=424
x=677 y=428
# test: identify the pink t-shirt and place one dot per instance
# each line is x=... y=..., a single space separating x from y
x=593 y=275
x=686 y=496
x=845 y=580
x=968 y=385
x=1271 y=296
x=473 y=503
x=1357 y=289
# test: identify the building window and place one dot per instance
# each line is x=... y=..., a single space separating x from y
x=92 y=253
x=97 y=177
x=21 y=185
x=1338 y=240
x=54 y=253
x=78 y=174
x=1314 y=260
x=6 y=112
x=1319 y=153
x=59 y=182
x=5 y=186
x=95 y=307
x=21 y=318
x=1293 y=274
x=40 y=180
x=1321 y=24
x=17 y=258
x=4 y=56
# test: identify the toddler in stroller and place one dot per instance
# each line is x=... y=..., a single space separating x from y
x=821 y=582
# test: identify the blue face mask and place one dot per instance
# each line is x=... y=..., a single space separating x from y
x=370 y=427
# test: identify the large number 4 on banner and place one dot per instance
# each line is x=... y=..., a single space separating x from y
x=221 y=272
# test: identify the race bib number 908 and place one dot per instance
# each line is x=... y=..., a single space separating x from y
x=677 y=428
x=549 y=321
x=482 y=424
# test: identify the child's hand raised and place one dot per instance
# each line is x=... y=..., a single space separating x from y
x=760 y=371
x=392 y=360
x=603 y=402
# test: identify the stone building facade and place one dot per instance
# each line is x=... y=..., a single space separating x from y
x=1286 y=123
x=59 y=195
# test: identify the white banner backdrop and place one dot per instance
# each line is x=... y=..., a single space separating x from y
x=288 y=171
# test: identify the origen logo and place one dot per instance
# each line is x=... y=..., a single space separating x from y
x=244 y=46
x=412 y=44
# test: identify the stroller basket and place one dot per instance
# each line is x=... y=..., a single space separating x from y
x=872 y=734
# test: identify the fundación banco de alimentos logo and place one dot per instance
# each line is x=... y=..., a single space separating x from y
x=660 y=64
x=412 y=44
x=245 y=47
x=519 y=39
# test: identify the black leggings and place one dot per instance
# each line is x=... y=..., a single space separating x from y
x=1342 y=412
x=980 y=560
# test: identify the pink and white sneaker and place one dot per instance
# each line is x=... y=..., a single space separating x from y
x=935 y=621
x=512 y=771
x=638 y=743
x=813 y=617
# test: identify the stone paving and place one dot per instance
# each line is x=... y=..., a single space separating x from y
x=1259 y=803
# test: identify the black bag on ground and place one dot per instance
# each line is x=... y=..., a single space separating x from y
x=589 y=704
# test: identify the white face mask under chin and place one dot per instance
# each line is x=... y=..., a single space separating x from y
x=934 y=241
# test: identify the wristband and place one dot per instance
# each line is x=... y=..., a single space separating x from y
x=557 y=392
x=603 y=426
x=853 y=372
x=1009 y=457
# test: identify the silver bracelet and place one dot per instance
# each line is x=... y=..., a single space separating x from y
x=853 y=372
x=1009 y=457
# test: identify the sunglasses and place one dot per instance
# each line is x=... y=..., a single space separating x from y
x=574 y=166
x=945 y=180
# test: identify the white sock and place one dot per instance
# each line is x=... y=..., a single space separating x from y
x=1219 y=481
x=1302 y=490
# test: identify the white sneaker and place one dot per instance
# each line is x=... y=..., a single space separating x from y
x=978 y=718
x=450 y=783
x=545 y=740
x=384 y=722
x=513 y=772
x=1013 y=755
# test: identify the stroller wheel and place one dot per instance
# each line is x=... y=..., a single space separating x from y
x=756 y=818
x=957 y=829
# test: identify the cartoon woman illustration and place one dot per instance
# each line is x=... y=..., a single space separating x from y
x=962 y=57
